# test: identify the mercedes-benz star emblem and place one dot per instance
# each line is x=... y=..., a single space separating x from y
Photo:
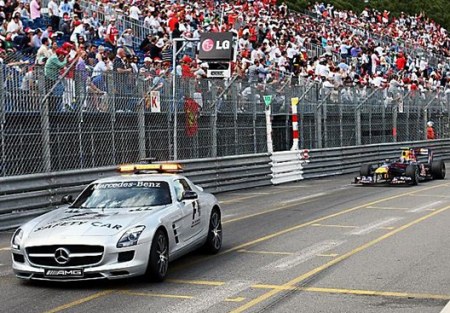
x=62 y=256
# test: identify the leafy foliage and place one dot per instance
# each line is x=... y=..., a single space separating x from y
x=438 y=10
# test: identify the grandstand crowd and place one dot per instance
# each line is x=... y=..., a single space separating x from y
x=334 y=48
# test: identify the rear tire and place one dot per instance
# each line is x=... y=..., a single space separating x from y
x=158 y=261
x=214 y=240
x=365 y=170
x=438 y=169
x=412 y=171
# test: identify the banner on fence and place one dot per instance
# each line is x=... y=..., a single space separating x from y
x=155 y=101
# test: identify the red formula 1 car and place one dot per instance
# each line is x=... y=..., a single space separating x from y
x=409 y=169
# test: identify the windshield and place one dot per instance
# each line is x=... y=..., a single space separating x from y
x=130 y=194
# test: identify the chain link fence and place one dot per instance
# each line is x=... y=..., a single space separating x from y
x=79 y=120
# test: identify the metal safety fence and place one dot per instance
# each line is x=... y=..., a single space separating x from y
x=83 y=121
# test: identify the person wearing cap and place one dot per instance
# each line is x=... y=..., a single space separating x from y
x=52 y=68
x=430 y=131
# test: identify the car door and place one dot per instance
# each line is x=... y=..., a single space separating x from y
x=191 y=212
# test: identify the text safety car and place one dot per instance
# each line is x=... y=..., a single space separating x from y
x=413 y=166
x=128 y=225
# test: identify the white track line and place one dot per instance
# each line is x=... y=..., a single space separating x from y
x=446 y=309
x=208 y=299
x=425 y=207
x=5 y=249
x=363 y=230
x=302 y=256
x=304 y=198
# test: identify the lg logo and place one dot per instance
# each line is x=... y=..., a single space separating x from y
x=208 y=45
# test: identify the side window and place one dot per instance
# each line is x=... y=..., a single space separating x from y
x=180 y=186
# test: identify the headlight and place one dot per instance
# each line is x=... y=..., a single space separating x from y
x=130 y=238
x=17 y=239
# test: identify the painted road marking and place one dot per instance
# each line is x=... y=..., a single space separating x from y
x=425 y=207
x=293 y=228
x=5 y=249
x=265 y=252
x=156 y=295
x=337 y=226
x=302 y=256
x=304 y=198
x=386 y=208
x=335 y=261
x=364 y=230
x=446 y=309
x=263 y=212
x=196 y=282
x=210 y=298
x=80 y=301
x=329 y=290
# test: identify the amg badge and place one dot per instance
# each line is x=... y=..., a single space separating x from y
x=64 y=273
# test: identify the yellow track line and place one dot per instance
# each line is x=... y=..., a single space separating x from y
x=293 y=228
x=80 y=301
x=343 y=257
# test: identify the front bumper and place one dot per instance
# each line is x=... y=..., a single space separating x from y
x=109 y=267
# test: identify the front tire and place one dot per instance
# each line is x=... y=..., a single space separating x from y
x=365 y=170
x=158 y=261
x=438 y=169
x=412 y=171
x=214 y=241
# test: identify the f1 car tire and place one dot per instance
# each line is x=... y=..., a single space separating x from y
x=412 y=171
x=438 y=169
x=158 y=261
x=366 y=170
x=214 y=240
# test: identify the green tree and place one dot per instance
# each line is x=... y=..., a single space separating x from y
x=438 y=10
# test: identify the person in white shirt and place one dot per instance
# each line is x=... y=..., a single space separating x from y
x=15 y=27
x=135 y=12
x=53 y=12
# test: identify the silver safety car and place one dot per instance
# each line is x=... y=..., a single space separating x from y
x=128 y=225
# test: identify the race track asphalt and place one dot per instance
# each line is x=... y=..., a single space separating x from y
x=311 y=246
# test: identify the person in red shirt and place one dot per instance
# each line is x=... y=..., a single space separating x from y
x=430 y=131
x=400 y=62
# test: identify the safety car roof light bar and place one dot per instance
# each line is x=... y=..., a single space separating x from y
x=148 y=168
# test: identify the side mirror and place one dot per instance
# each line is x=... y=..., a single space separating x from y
x=67 y=199
x=189 y=195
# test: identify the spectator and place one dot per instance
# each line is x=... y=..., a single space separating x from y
x=44 y=52
x=35 y=12
x=53 y=13
x=430 y=131
x=53 y=66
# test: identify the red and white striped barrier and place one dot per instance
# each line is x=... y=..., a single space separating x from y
x=294 y=102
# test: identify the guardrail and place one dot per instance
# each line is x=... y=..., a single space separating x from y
x=24 y=197
x=338 y=161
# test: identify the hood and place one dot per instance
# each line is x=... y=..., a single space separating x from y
x=90 y=222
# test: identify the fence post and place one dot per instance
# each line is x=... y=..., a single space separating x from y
x=394 y=122
x=141 y=120
x=112 y=111
x=214 y=123
x=45 y=128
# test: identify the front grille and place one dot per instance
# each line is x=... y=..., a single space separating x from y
x=79 y=255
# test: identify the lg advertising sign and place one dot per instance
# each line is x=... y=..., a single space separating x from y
x=216 y=47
